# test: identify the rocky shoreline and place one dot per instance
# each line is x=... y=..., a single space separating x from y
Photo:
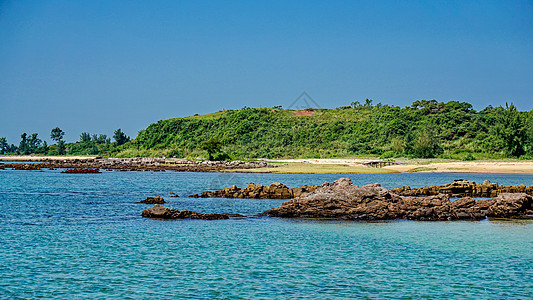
x=136 y=164
x=342 y=200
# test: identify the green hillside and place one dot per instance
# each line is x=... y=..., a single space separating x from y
x=424 y=129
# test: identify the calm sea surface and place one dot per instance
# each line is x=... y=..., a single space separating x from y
x=82 y=236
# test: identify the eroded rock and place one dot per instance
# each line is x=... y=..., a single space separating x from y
x=344 y=200
x=275 y=190
x=464 y=188
x=161 y=212
x=153 y=200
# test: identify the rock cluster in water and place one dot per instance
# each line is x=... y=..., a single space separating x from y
x=275 y=190
x=81 y=171
x=464 y=188
x=161 y=212
x=139 y=164
x=344 y=200
x=153 y=200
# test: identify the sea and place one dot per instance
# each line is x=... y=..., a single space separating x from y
x=80 y=236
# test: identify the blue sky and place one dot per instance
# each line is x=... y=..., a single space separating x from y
x=101 y=65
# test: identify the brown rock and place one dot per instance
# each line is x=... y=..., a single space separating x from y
x=153 y=200
x=275 y=190
x=508 y=205
x=161 y=212
x=464 y=188
x=463 y=202
x=343 y=200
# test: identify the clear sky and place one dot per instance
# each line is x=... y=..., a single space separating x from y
x=101 y=65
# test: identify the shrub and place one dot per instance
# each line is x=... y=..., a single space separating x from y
x=469 y=157
x=388 y=154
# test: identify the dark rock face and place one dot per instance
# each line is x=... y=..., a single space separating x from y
x=464 y=188
x=153 y=200
x=275 y=190
x=161 y=212
x=343 y=200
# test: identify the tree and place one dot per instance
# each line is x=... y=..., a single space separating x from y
x=57 y=134
x=424 y=144
x=44 y=148
x=23 y=146
x=102 y=139
x=12 y=149
x=34 y=143
x=85 y=137
x=94 y=149
x=355 y=104
x=511 y=129
x=61 y=150
x=4 y=146
x=120 y=137
x=212 y=146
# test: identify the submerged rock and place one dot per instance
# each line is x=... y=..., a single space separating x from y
x=161 y=212
x=344 y=200
x=81 y=171
x=275 y=190
x=153 y=200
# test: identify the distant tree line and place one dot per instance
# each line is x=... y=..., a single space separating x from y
x=92 y=144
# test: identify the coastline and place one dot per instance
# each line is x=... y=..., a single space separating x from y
x=336 y=165
x=345 y=166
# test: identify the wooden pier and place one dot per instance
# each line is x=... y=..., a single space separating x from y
x=382 y=163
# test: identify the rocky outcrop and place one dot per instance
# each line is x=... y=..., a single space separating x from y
x=275 y=190
x=139 y=164
x=464 y=188
x=161 y=212
x=344 y=200
x=24 y=166
x=153 y=200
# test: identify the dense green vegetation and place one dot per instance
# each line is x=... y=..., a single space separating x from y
x=88 y=144
x=423 y=130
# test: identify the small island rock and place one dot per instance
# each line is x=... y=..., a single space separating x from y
x=153 y=200
x=161 y=212
x=275 y=190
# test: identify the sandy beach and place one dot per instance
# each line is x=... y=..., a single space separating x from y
x=356 y=164
x=468 y=167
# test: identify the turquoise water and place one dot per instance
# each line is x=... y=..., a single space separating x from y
x=81 y=236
